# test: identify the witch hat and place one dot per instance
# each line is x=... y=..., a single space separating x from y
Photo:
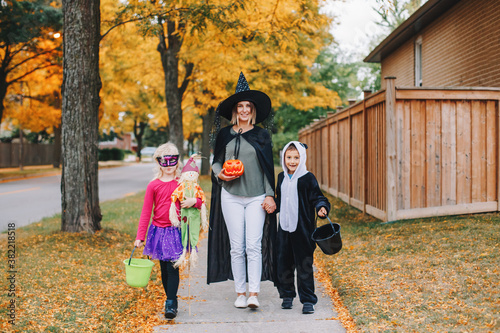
x=261 y=101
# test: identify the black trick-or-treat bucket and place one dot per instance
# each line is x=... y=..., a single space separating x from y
x=328 y=237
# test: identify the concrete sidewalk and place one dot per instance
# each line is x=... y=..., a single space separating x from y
x=212 y=308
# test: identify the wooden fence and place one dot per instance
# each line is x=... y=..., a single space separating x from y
x=406 y=153
x=33 y=154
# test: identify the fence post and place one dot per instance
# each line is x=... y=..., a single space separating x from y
x=390 y=134
x=498 y=155
x=349 y=149
x=365 y=157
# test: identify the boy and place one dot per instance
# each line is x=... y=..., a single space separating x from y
x=298 y=198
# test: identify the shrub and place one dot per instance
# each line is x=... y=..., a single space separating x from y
x=111 y=154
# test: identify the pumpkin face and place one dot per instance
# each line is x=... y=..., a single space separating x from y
x=233 y=168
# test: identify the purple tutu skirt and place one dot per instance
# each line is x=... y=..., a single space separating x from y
x=163 y=243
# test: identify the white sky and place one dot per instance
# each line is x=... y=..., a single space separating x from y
x=354 y=25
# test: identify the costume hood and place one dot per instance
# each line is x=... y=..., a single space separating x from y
x=289 y=205
x=301 y=169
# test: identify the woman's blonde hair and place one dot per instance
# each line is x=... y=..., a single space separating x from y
x=166 y=149
x=234 y=118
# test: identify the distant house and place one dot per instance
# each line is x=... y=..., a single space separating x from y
x=427 y=143
x=445 y=43
x=125 y=142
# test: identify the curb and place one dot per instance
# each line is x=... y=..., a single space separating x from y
x=55 y=173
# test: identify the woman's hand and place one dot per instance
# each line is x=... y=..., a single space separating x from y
x=138 y=243
x=225 y=177
x=188 y=202
x=269 y=205
x=322 y=212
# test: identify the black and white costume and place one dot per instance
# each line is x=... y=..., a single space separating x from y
x=299 y=198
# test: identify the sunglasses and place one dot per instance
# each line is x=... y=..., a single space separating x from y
x=168 y=160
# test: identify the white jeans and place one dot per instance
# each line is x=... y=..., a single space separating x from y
x=244 y=218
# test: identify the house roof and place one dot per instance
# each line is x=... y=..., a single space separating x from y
x=424 y=16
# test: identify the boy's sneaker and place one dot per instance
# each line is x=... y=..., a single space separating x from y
x=241 y=302
x=253 y=302
x=287 y=303
x=308 y=308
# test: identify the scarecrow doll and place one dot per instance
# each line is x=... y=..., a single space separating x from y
x=191 y=218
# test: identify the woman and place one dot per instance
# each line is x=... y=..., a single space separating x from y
x=242 y=226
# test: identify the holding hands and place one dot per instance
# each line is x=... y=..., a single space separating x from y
x=269 y=205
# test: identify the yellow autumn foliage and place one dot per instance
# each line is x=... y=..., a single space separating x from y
x=275 y=51
x=131 y=75
x=274 y=44
x=33 y=100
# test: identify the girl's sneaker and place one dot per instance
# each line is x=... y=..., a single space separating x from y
x=170 y=309
x=241 y=302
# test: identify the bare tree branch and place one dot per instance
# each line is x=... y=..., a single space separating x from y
x=140 y=18
x=33 y=57
x=122 y=23
x=6 y=60
x=19 y=48
x=28 y=73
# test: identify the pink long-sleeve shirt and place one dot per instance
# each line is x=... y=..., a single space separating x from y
x=158 y=200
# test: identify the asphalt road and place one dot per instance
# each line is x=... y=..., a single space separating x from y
x=29 y=200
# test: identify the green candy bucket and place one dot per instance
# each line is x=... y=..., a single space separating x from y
x=138 y=271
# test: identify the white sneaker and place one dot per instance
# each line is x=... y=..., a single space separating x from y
x=253 y=302
x=241 y=302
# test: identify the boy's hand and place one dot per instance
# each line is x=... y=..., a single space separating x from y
x=269 y=205
x=188 y=202
x=322 y=212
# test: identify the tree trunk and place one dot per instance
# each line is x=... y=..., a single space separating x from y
x=3 y=91
x=21 y=146
x=169 y=50
x=56 y=157
x=208 y=120
x=80 y=107
x=139 y=129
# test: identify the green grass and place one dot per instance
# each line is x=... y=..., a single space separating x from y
x=75 y=282
x=422 y=275
x=37 y=170
x=9 y=173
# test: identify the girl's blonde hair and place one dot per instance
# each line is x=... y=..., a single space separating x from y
x=166 y=149
x=234 y=118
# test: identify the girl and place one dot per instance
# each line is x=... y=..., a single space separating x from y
x=164 y=240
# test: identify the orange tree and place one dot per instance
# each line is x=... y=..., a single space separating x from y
x=204 y=46
x=276 y=49
x=171 y=22
x=29 y=45
x=131 y=73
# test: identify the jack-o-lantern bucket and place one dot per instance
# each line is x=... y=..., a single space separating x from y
x=233 y=167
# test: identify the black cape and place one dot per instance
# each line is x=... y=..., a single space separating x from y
x=219 y=257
